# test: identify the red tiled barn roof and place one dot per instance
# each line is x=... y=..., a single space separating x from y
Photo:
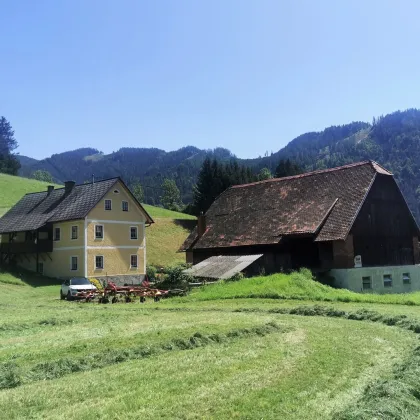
x=323 y=204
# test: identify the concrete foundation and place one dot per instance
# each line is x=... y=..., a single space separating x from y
x=394 y=279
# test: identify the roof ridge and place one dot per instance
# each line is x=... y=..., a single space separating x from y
x=305 y=174
x=76 y=185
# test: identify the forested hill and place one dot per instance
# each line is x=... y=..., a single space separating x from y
x=392 y=140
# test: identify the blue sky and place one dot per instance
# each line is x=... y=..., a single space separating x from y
x=245 y=75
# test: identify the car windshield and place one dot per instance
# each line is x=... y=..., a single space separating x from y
x=79 y=281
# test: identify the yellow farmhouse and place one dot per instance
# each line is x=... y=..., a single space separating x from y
x=90 y=230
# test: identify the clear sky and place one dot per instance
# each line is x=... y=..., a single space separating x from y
x=245 y=75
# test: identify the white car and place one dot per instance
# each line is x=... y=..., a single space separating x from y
x=70 y=288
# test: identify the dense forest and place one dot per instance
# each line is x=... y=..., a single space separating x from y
x=392 y=140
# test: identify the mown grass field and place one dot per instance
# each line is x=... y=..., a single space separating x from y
x=191 y=358
x=164 y=237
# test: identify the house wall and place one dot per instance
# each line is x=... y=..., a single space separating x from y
x=352 y=278
x=116 y=247
x=343 y=253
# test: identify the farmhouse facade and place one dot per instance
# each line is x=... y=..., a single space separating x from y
x=351 y=222
x=89 y=230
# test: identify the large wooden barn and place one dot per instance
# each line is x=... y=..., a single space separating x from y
x=351 y=221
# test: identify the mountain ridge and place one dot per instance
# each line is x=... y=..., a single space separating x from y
x=392 y=140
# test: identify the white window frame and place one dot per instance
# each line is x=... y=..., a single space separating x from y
x=105 y=201
x=103 y=233
x=388 y=276
x=137 y=233
x=103 y=263
x=71 y=263
x=71 y=232
x=370 y=282
x=55 y=238
x=122 y=205
x=406 y=278
x=137 y=261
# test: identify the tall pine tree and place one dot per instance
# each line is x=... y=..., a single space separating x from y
x=8 y=162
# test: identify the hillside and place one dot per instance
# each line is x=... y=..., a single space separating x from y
x=392 y=140
x=164 y=237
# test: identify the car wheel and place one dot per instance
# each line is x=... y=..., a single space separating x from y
x=62 y=297
x=69 y=296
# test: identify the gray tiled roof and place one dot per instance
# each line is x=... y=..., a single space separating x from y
x=36 y=209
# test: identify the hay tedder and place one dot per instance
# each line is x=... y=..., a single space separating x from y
x=111 y=293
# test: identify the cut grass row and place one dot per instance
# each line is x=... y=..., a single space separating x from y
x=296 y=286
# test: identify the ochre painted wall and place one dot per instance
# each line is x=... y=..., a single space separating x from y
x=115 y=234
x=133 y=213
x=65 y=239
x=116 y=262
x=60 y=264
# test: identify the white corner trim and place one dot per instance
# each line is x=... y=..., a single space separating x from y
x=121 y=222
x=85 y=248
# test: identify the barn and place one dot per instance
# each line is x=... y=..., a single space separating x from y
x=351 y=222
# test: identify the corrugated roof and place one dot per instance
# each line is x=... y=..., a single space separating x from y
x=36 y=209
x=322 y=204
x=222 y=266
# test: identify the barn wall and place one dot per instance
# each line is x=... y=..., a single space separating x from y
x=383 y=231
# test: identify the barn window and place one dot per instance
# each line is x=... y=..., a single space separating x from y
x=367 y=283
x=73 y=263
x=406 y=278
x=133 y=261
x=57 y=234
x=124 y=205
x=387 y=280
x=108 y=205
x=99 y=262
x=133 y=232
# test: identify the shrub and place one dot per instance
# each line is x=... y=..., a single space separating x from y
x=151 y=272
x=236 y=277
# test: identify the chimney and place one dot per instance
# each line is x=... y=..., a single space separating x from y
x=201 y=225
x=50 y=189
x=68 y=186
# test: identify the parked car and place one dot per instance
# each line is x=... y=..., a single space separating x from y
x=70 y=288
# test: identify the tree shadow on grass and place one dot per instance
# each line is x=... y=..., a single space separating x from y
x=32 y=279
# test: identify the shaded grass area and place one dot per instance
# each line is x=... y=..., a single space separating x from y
x=295 y=286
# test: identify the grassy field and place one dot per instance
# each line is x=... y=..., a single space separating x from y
x=295 y=286
x=191 y=358
x=164 y=237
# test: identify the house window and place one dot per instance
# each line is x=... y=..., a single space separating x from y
x=57 y=234
x=99 y=262
x=133 y=232
x=133 y=261
x=74 y=232
x=124 y=205
x=367 y=283
x=73 y=263
x=108 y=205
x=406 y=278
x=99 y=232
x=40 y=268
x=387 y=280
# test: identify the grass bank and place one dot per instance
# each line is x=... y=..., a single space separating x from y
x=299 y=285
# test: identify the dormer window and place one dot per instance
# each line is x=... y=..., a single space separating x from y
x=108 y=205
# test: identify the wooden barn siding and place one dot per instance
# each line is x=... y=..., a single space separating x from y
x=383 y=232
